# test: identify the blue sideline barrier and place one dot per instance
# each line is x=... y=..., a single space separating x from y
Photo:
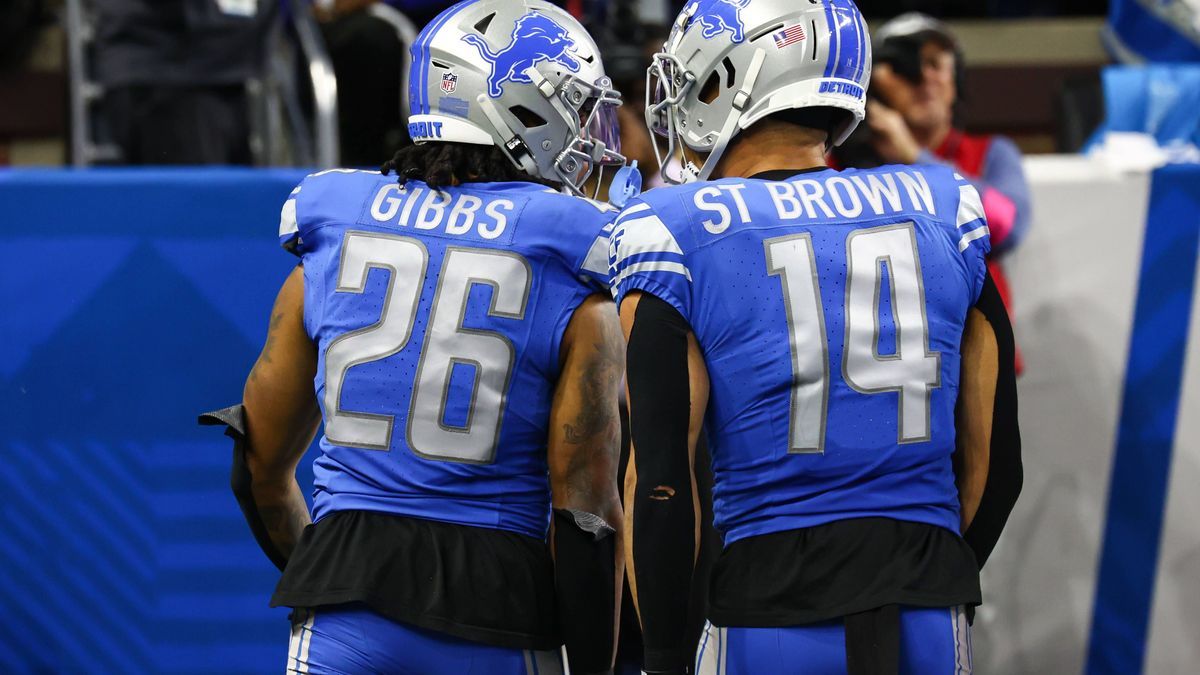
x=131 y=301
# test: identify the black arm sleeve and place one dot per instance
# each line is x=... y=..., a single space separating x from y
x=1004 y=465
x=234 y=420
x=663 y=515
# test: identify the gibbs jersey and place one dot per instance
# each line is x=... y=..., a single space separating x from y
x=438 y=318
x=829 y=307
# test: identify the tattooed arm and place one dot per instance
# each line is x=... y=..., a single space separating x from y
x=282 y=416
x=584 y=447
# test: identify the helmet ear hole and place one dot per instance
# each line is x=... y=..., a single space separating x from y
x=711 y=89
x=730 y=73
x=712 y=86
x=527 y=117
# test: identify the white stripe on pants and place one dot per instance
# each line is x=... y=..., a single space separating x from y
x=710 y=658
x=301 y=638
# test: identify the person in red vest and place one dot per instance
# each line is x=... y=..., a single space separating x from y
x=916 y=86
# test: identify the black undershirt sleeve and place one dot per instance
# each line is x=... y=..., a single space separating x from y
x=663 y=514
x=1004 y=466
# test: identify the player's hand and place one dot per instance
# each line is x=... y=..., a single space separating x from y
x=891 y=138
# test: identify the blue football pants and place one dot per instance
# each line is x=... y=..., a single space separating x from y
x=352 y=639
x=933 y=641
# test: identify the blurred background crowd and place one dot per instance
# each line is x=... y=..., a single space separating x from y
x=319 y=82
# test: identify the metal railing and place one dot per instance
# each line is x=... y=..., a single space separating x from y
x=275 y=95
x=85 y=92
x=323 y=81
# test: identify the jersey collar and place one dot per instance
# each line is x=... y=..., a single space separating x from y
x=784 y=174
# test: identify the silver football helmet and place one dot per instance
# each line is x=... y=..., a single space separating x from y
x=519 y=74
x=729 y=63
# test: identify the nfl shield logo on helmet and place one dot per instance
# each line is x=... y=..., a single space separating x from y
x=449 y=83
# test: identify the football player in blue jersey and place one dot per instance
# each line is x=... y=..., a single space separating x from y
x=453 y=331
x=836 y=336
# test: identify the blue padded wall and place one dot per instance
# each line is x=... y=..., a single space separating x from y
x=131 y=301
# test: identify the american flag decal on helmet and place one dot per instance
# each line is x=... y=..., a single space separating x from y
x=788 y=36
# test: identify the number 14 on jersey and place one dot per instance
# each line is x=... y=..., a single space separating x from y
x=913 y=371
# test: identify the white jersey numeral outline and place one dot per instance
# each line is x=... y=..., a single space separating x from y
x=792 y=259
x=914 y=371
x=447 y=343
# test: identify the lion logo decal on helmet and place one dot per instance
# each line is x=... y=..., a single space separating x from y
x=719 y=16
x=535 y=38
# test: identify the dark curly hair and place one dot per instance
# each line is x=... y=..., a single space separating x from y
x=441 y=165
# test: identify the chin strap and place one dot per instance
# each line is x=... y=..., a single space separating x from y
x=514 y=147
x=689 y=172
x=741 y=100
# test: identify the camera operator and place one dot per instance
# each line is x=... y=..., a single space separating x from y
x=915 y=94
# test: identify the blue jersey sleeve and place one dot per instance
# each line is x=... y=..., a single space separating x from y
x=321 y=198
x=289 y=225
x=645 y=255
x=576 y=232
x=974 y=241
x=594 y=267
